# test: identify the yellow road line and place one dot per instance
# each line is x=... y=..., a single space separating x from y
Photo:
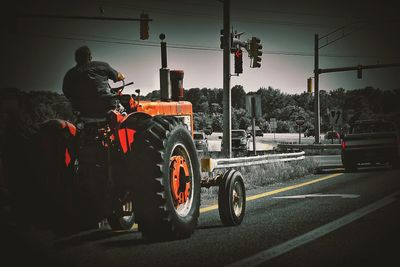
x=254 y=197
x=209 y=208
x=273 y=192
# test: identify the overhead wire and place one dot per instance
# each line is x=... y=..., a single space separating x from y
x=252 y=19
x=124 y=41
x=209 y=48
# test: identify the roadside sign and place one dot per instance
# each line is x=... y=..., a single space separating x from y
x=335 y=116
x=273 y=124
x=300 y=120
x=257 y=104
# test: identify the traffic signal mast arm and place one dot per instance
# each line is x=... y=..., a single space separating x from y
x=238 y=43
x=83 y=17
x=358 y=67
x=144 y=20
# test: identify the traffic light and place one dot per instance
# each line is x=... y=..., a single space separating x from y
x=221 y=39
x=144 y=26
x=309 y=85
x=255 y=52
x=359 y=72
x=238 y=61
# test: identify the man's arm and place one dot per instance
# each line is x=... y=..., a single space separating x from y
x=120 y=76
x=113 y=74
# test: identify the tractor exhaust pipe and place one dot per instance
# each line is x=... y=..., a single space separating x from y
x=165 y=84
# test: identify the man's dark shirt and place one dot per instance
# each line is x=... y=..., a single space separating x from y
x=86 y=86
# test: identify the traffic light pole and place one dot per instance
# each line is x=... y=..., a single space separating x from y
x=253 y=124
x=227 y=123
x=318 y=71
x=317 y=118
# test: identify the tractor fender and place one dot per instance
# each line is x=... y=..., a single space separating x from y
x=127 y=129
x=57 y=138
x=135 y=117
x=57 y=125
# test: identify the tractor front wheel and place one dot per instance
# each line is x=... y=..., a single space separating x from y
x=122 y=217
x=231 y=198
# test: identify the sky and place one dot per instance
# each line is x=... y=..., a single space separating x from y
x=39 y=52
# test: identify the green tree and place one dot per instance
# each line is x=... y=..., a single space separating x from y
x=238 y=97
x=194 y=95
x=203 y=107
x=273 y=99
x=284 y=127
x=154 y=95
x=240 y=119
x=304 y=100
x=217 y=122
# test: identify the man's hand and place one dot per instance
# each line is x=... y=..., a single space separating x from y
x=120 y=76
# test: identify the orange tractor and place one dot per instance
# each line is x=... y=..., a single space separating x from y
x=138 y=164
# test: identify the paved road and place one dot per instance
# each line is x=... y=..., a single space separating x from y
x=332 y=219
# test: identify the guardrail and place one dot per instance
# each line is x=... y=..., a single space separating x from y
x=209 y=164
x=310 y=146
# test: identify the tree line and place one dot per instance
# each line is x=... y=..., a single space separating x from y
x=366 y=103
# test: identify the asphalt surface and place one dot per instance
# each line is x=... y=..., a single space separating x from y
x=290 y=228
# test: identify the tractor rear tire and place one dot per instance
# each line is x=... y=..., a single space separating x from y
x=231 y=198
x=166 y=172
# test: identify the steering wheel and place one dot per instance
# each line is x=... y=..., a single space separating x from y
x=118 y=90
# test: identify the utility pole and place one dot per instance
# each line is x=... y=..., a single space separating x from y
x=317 y=118
x=253 y=123
x=227 y=148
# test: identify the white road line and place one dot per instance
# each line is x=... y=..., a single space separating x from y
x=287 y=246
x=320 y=195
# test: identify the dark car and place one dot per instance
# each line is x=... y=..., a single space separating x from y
x=259 y=132
x=200 y=141
x=332 y=135
x=309 y=132
x=240 y=142
x=371 y=141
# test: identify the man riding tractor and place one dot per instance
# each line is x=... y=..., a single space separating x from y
x=86 y=85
